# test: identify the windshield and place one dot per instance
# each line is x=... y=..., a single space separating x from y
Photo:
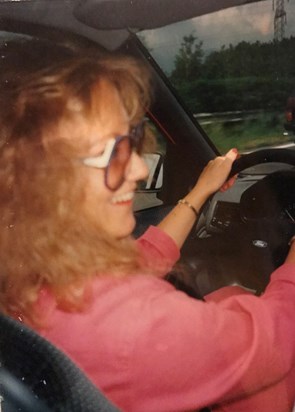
x=235 y=71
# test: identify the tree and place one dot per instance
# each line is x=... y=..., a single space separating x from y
x=188 y=61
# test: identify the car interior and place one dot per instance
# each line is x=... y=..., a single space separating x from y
x=36 y=376
x=223 y=71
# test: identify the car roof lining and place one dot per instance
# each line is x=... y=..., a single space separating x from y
x=146 y=14
x=10 y=29
x=90 y=18
x=55 y=14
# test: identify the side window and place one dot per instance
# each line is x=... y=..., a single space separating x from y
x=147 y=194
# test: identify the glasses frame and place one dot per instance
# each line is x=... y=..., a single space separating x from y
x=135 y=139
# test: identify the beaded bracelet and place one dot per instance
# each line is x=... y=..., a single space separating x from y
x=185 y=202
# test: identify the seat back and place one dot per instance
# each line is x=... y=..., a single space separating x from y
x=34 y=372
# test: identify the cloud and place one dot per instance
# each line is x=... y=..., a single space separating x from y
x=252 y=22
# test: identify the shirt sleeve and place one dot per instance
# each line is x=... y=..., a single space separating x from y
x=222 y=294
x=158 y=250
x=195 y=353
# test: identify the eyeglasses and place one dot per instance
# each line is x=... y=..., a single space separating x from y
x=116 y=156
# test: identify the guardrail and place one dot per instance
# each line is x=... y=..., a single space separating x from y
x=227 y=117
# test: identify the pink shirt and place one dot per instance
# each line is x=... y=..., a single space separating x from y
x=152 y=348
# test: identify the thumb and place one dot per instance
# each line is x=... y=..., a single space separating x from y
x=232 y=154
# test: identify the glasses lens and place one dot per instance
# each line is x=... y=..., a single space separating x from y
x=119 y=158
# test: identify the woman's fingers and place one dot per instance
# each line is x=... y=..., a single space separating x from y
x=228 y=184
x=232 y=155
x=215 y=174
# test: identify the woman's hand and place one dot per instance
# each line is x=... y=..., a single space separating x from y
x=178 y=223
x=214 y=175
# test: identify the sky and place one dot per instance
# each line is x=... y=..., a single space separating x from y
x=250 y=23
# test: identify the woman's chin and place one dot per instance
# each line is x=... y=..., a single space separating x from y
x=125 y=228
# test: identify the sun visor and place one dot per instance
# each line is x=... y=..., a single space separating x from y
x=146 y=14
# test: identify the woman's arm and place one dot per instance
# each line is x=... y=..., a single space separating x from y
x=179 y=222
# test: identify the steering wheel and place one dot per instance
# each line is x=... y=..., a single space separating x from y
x=268 y=206
x=263 y=156
x=261 y=224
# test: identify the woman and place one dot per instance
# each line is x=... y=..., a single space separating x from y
x=71 y=138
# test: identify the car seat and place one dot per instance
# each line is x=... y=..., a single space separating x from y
x=36 y=376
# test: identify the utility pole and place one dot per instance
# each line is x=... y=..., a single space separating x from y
x=280 y=19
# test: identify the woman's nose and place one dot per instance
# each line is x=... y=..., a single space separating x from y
x=137 y=168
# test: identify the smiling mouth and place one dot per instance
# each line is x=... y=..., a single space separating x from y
x=124 y=198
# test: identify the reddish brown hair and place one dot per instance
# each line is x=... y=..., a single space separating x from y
x=45 y=240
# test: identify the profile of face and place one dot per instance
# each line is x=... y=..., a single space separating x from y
x=111 y=209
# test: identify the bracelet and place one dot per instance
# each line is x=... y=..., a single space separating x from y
x=185 y=202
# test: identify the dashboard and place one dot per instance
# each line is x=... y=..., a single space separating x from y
x=270 y=197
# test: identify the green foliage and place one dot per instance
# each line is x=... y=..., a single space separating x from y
x=248 y=76
x=231 y=94
x=188 y=61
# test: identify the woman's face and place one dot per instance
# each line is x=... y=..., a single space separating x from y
x=111 y=210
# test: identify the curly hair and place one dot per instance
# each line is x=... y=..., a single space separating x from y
x=45 y=239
